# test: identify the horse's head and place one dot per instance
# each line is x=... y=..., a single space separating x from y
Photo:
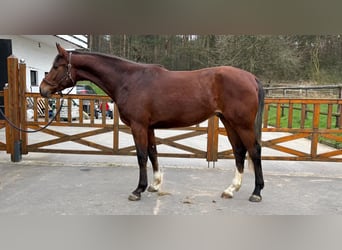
x=60 y=76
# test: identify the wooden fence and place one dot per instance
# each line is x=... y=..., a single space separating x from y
x=279 y=138
x=317 y=127
x=322 y=91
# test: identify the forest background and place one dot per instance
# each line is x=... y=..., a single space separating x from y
x=276 y=59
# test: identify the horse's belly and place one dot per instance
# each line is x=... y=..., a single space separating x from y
x=182 y=120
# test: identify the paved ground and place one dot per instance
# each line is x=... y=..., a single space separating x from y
x=46 y=184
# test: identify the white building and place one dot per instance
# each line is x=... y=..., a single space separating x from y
x=39 y=51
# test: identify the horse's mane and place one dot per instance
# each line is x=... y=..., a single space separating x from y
x=115 y=58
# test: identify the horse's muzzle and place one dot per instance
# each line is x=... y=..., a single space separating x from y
x=44 y=93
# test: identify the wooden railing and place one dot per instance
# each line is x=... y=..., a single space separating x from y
x=319 y=126
x=321 y=91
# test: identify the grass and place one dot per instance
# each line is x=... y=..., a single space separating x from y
x=98 y=90
x=296 y=121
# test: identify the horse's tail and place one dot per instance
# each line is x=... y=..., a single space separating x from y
x=258 y=120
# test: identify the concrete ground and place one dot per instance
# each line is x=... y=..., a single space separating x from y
x=50 y=184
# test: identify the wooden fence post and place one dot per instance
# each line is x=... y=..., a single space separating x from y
x=22 y=103
x=339 y=109
x=212 y=141
x=14 y=108
x=116 y=129
x=315 y=127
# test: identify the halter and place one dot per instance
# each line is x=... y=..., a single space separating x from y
x=65 y=78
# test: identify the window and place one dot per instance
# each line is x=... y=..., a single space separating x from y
x=34 y=76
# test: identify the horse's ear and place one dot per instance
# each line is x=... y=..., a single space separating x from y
x=61 y=51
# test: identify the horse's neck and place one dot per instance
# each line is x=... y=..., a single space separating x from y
x=104 y=72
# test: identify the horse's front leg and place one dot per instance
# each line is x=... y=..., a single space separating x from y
x=152 y=154
x=141 y=142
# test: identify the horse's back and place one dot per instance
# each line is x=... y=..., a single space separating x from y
x=217 y=87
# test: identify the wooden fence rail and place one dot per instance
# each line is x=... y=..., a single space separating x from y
x=322 y=91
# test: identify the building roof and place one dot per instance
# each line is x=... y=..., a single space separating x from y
x=68 y=41
x=79 y=40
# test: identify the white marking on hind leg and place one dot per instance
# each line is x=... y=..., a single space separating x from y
x=250 y=163
x=234 y=187
x=157 y=181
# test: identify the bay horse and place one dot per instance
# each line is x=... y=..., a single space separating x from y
x=149 y=96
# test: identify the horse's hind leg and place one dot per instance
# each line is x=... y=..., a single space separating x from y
x=254 y=150
x=239 y=153
x=255 y=154
x=152 y=154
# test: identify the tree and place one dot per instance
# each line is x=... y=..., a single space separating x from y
x=272 y=58
x=269 y=57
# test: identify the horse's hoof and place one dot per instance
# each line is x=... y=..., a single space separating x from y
x=152 y=189
x=133 y=197
x=226 y=195
x=255 y=198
